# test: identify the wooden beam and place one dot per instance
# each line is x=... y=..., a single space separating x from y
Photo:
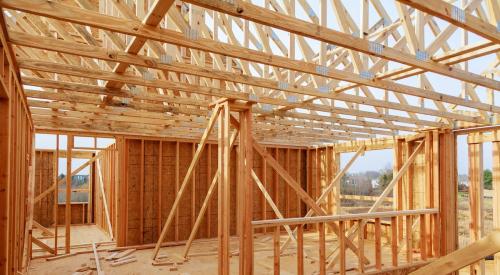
x=287 y=23
x=42 y=245
x=456 y=16
x=42 y=228
x=50 y=44
x=79 y=16
x=463 y=257
x=152 y=19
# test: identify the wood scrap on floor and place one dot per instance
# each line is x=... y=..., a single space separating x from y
x=126 y=260
x=124 y=253
x=60 y=257
x=86 y=267
x=97 y=263
x=111 y=256
x=121 y=258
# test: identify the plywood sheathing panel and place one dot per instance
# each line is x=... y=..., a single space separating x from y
x=44 y=178
x=287 y=201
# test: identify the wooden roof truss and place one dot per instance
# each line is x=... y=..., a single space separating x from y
x=317 y=73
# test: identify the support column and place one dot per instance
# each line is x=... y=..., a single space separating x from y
x=448 y=193
x=5 y=141
x=476 y=189
x=246 y=190
x=67 y=216
x=224 y=206
x=496 y=193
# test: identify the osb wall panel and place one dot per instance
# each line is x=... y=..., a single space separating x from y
x=155 y=171
x=43 y=211
x=79 y=213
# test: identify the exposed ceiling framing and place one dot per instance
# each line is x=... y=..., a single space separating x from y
x=318 y=73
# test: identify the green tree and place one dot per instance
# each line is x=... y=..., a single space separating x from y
x=384 y=179
x=488 y=179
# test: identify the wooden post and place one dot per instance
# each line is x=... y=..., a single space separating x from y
x=394 y=241
x=246 y=190
x=300 y=250
x=56 y=192
x=496 y=193
x=177 y=163
x=224 y=206
x=447 y=193
x=5 y=147
x=476 y=187
x=423 y=238
x=160 y=165
x=409 y=239
x=141 y=194
x=322 y=247
x=361 y=246
x=342 y=267
x=276 y=245
x=67 y=216
x=378 y=245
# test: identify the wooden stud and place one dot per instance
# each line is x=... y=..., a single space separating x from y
x=160 y=182
x=343 y=258
x=277 y=254
x=423 y=237
x=409 y=239
x=56 y=193
x=67 y=211
x=496 y=194
x=246 y=239
x=378 y=245
x=141 y=193
x=177 y=175
x=361 y=245
x=322 y=247
x=300 y=250
x=224 y=194
x=394 y=241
